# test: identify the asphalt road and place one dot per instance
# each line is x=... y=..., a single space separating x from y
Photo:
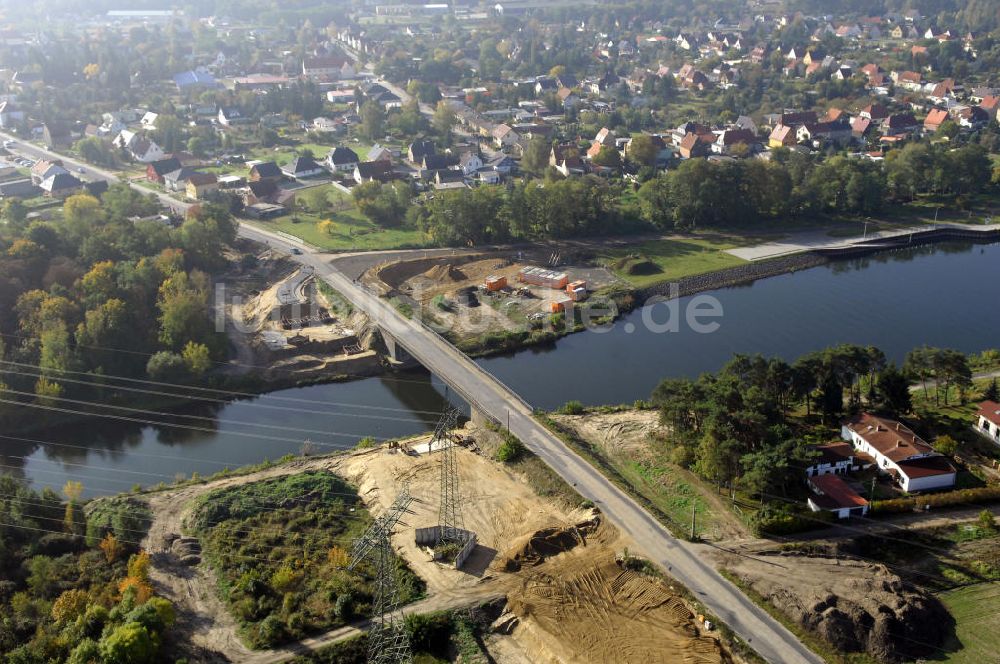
x=83 y=170
x=687 y=562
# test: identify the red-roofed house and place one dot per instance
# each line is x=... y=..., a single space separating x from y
x=990 y=104
x=935 y=119
x=899 y=452
x=988 y=420
x=832 y=494
x=836 y=458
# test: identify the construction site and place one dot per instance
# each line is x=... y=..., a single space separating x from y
x=282 y=318
x=473 y=294
x=563 y=584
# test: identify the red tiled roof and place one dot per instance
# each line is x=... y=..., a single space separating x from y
x=892 y=439
x=991 y=411
x=926 y=467
x=834 y=452
x=834 y=493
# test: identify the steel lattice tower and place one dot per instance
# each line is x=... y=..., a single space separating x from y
x=450 y=515
x=387 y=639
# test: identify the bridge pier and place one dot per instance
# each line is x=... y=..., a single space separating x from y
x=397 y=354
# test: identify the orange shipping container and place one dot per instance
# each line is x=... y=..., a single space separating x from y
x=495 y=283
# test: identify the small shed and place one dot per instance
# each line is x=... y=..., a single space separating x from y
x=577 y=290
x=495 y=282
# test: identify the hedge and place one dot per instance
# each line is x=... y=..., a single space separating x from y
x=985 y=494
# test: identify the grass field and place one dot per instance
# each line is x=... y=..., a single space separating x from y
x=350 y=233
x=671 y=259
x=976 y=610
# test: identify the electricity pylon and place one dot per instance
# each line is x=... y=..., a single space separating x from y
x=387 y=640
x=450 y=516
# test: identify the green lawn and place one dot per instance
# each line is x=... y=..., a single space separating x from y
x=976 y=610
x=352 y=232
x=668 y=260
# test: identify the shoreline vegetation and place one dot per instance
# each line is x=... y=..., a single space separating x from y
x=253 y=384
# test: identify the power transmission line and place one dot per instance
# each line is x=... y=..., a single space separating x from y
x=187 y=397
x=232 y=393
x=388 y=642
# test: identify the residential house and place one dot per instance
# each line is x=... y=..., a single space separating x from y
x=436 y=162
x=56 y=135
x=832 y=494
x=678 y=134
x=988 y=420
x=935 y=118
x=418 y=150
x=545 y=84
x=836 y=458
x=157 y=169
x=782 y=136
x=149 y=119
x=796 y=118
x=262 y=191
x=746 y=122
x=899 y=452
x=838 y=131
x=990 y=105
x=265 y=170
x=605 y=137
x=504 y=136
x=690 y=77
x=176 y=180
x=61 y=185
x=378 y=94
x=44 y=169
x=341 y=159
x=302 y=167
x=566 y=159
x=899 y=124
x=367 y=171
x=502 y=164
x=196 y=78
x=327 y=67
x=379 y=153
x=449 y=179
x=231 y=116
x=860 y=127
x=972 y=117
x=874 y=112
x=138 y=147
x=201 y=186
x=728 y=141
x=908 y=80
x=470 y=163
x=567 y=98
x=696 y=145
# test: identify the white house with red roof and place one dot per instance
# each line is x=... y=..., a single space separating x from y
x=832 y=494
x=988 y=420
x=899 y=452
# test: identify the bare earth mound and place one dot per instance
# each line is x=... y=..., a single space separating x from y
x=854 y=605
x=445 y=273
x=609 y=614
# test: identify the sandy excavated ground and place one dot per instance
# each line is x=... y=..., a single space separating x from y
x=627 y=435
x=853 y=604
x=567 y=598
x=625 y=432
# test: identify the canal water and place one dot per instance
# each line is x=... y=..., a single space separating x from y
x=944 y=295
